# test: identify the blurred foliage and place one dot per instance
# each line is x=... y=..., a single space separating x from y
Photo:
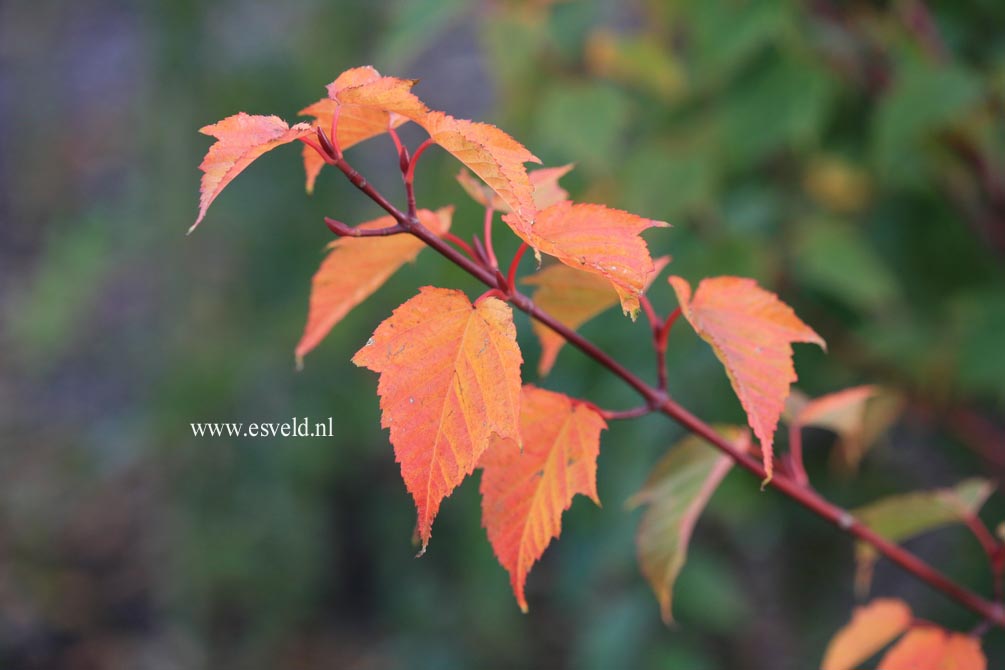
x=846 y=154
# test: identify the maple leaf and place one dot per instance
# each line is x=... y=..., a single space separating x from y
x=676 y=492
x=449 y=381
x=491 y=154
x=525 y=492
x=906 y=515
x=573 y=297
x=547 y=192
x=871 y=628
x=355 y=267
x=751 y=332
x=595 y=239
x=240 y=139
x=368 y=105
x=932 y=648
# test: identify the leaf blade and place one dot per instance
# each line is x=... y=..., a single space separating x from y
x=449 y=380
x=524 y=493
x=596 y=239
x=933 y=648
x=573 y=297
x=871 y=628
x=490 y=153
x=368 y=105
x=355 y=268
x=751 y=332
x=676 y=492
x=900 y=517
x=240 y=140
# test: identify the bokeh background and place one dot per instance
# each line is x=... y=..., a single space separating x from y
x=848 y=155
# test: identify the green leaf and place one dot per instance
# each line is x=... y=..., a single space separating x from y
x=900 y=517
x=834 y=258
x=780 y=106
x=583 y=124
x=717 y=52
x=675 y=494
x=922 y=100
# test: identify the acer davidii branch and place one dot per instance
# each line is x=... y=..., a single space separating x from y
x=450 y=385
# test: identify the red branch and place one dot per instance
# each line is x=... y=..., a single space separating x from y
x=658 y=399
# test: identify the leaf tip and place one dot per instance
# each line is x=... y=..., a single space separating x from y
x=192 y=228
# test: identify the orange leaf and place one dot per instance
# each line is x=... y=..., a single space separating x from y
x=449 y=381
x=751 y=332
x=368 y=105
x=525 y=492
x=491 y=154
x=871 y=628
x=676 y=492
x=573 y=297
x=547 y=192
x=595 y=239
x=844 y=413
x=932 y=648
x=355 y=268
x=240 y=139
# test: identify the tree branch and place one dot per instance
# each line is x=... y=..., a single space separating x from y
x=661 y=401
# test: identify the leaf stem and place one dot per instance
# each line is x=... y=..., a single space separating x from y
x=343 y=230
x=460 y=243
x=410 y=172
x=654 y=321
x=796 y=454
x=487 y=232
x=513 y=265
x=634 y=413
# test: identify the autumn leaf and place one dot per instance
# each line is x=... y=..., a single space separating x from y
x=675 y=494
x=858 y=416
x=355 y=267
x=547 y=192
x=491 y=154
x=842 y=413
x=240 y=139
x=573 y=297
x=903 y=516
x=368 y=104
x=595 y=239
x=449 y=382
x=525 y=492
x=932 y=648
x=751 y=332
x=871 y=628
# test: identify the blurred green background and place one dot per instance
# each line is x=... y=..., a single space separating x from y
x=848 y=155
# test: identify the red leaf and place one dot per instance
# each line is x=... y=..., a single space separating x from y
x=751 y=332
x=368 y=104
x=355 y=268
x=491 y=154
x=871 y=628
x=547 y=192
x=595 y=239
x=932 y=648
x=449 y=381
x=573 y=297
x=240 y=140
x=525 y=492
